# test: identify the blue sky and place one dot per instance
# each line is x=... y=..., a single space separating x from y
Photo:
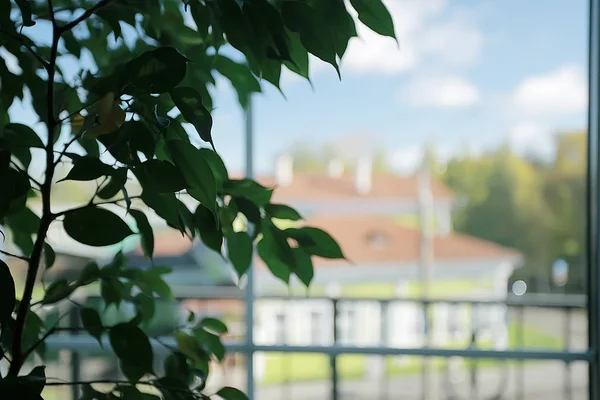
x=468 y=73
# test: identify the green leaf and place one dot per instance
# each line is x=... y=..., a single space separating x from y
x=140 y=137
x=111 y=19
x=375 y=15
x=189 y=101
x=216 y=165
x=49 y=256
x=36 y=379
x=112 y=291
x=188 y=345
x=145 y=231
x=240 y=76
x=117 y=182
x=281 y=211
x=316 y=242
x=160 y=176
x=176 y=366
x=303 y=267
x=196 y=171
x=230 y=393
x=92 y=323
x=57 y=291
x=19 y=135
x=145 y=306
x=248 y=189
x=23 y=155
x=165 y=205
x=72 y=44
x=276 y=253
x=299 y=57
x=214 y=325
x=89 y=273
x=207 y=227
x=250 y=211
x=210 y=342
x=7 y=293
x=153 y=278
x=239 y=251
x=24 y=223
x=25 y=12
x=133 y=348
x=158 y=71
x=174 y=389
x=15 y=186
x=87 y=168
x=313 y=29
x=341 y=23
x=79 y=225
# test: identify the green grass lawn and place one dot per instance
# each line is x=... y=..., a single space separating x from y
x=280 y=368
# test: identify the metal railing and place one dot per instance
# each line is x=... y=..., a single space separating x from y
x=567 y=304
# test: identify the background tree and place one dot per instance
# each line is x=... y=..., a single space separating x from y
x=142 y=74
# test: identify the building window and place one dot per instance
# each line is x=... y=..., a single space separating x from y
x=317 y=327
x=280 y=328
x=348 y=327
x=454 y=320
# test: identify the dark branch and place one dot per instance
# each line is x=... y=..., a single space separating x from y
x=29 y=48
x=46 y=219
x=85 y=15
x=22 y=170
x=6 y=253
x=91 y=204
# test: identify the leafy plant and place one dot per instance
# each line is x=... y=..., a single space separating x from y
x=118 y=115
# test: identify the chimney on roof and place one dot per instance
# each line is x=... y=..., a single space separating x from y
x=284 y=170
x=363 y=178
x=335 y=168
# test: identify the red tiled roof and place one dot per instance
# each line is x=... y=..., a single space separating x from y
x=397 y=243
x=320 y=187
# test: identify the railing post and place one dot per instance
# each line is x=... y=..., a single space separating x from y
x=333 y=357
x=383 y=340
x=249 y=293
x=593 y=200
x=75 y=359
x=568 y=390
x=521 y=363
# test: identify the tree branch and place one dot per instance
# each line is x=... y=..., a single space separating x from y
x=6 y=253
x=128 y=383
x=30 y=49
x=91 y=204
x=64 y=150
x=85 y=15
x=47 y=217
x=22 y=170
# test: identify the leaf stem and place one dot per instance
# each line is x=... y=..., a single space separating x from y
x=6 y=253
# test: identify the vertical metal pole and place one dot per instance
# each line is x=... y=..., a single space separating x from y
x=425 y=198
x=521 y=363
x=593 y=200
x=333 y=358
x=249 y=294
x=383 y=341
x=568 y=392
x=75 y=361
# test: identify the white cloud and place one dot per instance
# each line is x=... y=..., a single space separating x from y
x=452 y=38
x=442 y=92
x=562 y=91
x=532 y=138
